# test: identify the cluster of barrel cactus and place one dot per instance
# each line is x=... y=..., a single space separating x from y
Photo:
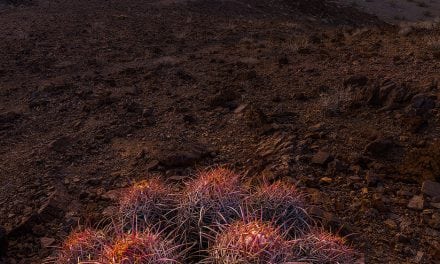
x=213 y=219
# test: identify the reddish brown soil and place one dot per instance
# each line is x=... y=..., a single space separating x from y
x=95 y=94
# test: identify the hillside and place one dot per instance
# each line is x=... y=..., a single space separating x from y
x=94 y=95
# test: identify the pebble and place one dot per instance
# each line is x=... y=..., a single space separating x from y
x=325 y=180
x=321 y=158
x=416 y=203
x=434 y=222
x=46 y=242
x=390 y=223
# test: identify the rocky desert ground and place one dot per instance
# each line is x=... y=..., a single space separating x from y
x=339 y=98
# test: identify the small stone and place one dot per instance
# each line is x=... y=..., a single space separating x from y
x=404 y=193
x=152 y=165
x=112 y=195
x=321 y=158
x=240 y=108
x=405 y=31
x=434 y=222
x=46 y=242
x=316 y=211
x=316 y=128
x=61 y=144
x=419 y=257
x=431 y=188
x=315 y=195
x=38 y=230
x=336 y=167
x=423 y=102
x=355 y=178
x=416 y=203
x=371 y=178
x=435 y=205
x=55 y=205
x=390 y=223
x=184 y=158
x=325 y=180
x=356 y=81
x=379 y=147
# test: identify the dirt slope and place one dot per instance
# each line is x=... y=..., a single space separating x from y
x=95 y=94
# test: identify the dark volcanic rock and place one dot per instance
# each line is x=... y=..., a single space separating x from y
x=422 y=103
x=431 y=188
x=379 y=147
x=184 y=158
x=61 y=144
x=356 y=81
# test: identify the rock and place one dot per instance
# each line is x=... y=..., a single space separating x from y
x=54 y=207
x=316 y=128
x=371 y=178
x=225 y=98
x=379 y=147
x=356 y=81
x=405 y=31
x=325 y=180
x=314 y=195
x=361 y=260
x=38 y=230
x=434 y=222
x=315 y=211
x=240 y=108
x=321 y=158
x=378 y=201
x=186 y=157
x=416 y=203
x=336 y=166
x=422 y=103
x=404 y=193
x=3 y=242
x=419 y=257
x=392 y=96
x=255 y=119
x=329 y=220
x=181 y=159
x=60 y=144
x=431 y=188
x=46 y=242
x=152 y=165
x=112 y=195
x=390 y=223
